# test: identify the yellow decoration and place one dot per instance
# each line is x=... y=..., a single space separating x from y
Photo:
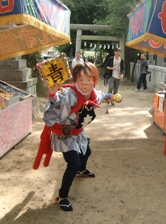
x=118 y=98
x=105 y=101
x=2 y=103
x=54 y=70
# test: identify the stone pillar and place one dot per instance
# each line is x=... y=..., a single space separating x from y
x=151 y=61
x=78 y=41
x=122 y=47
x=160 y=60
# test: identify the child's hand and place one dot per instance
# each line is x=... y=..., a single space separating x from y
x=108 y=99
x=111 y=98
x=53 y=89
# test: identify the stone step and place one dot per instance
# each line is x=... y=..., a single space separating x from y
x=13 y=64
x=28 y=86
x=15 y=75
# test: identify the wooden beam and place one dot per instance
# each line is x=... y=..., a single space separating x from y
x=102 y=38
x=89 y=27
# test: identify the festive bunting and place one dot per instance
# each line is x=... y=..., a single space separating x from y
x=104 y=46
x=94 y=46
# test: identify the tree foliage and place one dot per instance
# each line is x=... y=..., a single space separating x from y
x=102 y=12
x=32 y=60
x=82 y=12
x=116 y=15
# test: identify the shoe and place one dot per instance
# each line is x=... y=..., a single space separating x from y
x=137 y=89
x=112 y=103
x=64 y=204
x=144 y=90
x=86 y=173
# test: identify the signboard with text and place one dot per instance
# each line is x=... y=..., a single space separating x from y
x=55 y=70
x=147 y=27
x=28 y=26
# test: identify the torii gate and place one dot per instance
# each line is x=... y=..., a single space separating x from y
x=80 y=37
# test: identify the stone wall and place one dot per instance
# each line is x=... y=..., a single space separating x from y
x=158 y=76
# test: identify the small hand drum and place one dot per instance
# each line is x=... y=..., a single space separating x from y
x=118 y=98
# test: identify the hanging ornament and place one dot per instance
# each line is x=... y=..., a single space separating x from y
x=108 y=47
x=100 y=46
x=84 y=44
x=93 y=47
x=90 y=44
x=104 y=46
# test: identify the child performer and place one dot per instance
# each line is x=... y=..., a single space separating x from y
x=67 y=114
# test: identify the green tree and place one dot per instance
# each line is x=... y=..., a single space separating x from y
x=82 y=12
x=32 y=60
x=116 y=15
x=103 y=12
